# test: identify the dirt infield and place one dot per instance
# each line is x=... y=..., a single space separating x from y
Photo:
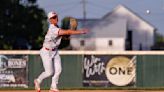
x=85 y=91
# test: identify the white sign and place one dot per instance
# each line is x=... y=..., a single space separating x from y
x=120 y=70
x=93 y=66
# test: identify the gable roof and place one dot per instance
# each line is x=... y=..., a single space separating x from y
x=110 y=29
x=107 y=26
x=91 y=22
x=88 y=22
x=128 y=11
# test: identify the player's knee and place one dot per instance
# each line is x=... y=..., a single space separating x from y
x=49 y=73
x=58 y=72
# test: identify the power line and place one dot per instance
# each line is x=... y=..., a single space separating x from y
x=95 y=13
x=61 y=4
x=67 y=9
x=71 y=5
x=98 y=5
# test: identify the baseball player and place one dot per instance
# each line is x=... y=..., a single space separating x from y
x=49 y=52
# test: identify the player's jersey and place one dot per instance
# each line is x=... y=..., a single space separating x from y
x=52 y=39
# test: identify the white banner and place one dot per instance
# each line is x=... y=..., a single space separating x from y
x=13 y=71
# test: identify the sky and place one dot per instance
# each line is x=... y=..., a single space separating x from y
x=98 y=8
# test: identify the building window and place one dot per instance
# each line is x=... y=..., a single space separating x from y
x=82 y=43
x=110 y=43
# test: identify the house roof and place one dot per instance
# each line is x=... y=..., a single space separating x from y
x=128 y=11
x=110 y=29
x=90 y=22
x=107 y=25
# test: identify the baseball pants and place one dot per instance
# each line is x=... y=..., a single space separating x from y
x=52 y=66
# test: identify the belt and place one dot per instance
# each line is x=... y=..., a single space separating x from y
x=50 y=49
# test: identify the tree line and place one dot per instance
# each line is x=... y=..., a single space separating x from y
x=23 y=26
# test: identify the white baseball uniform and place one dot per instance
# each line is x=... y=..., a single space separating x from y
x=50 y=56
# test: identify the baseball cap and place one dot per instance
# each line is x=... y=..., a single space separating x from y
x=51 y=14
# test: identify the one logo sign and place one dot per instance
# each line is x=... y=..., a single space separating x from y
x=120 y=70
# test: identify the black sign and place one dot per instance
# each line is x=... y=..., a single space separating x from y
x=105 y=70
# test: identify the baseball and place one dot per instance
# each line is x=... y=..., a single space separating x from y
x=148 y=11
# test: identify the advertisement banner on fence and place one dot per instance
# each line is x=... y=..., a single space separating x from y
x=109 y=70
x=13 y=71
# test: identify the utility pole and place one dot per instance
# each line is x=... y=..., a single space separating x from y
x=82 y=42
x=84 y=11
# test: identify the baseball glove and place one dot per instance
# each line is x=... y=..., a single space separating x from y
x=69 y=23
x=73 y=24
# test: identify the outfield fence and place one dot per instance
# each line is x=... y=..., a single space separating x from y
x=106 y=69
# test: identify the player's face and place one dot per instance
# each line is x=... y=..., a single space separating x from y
x=54 y=20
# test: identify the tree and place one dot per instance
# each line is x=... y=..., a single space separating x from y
x=22 y=24
x=67 y=23
x=159 y=44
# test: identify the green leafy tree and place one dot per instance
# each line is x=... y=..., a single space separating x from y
x=65 y=41
x=67 y=23
x=22 y=24
x=159 y=44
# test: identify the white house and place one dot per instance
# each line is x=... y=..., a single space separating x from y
x=118 y=30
